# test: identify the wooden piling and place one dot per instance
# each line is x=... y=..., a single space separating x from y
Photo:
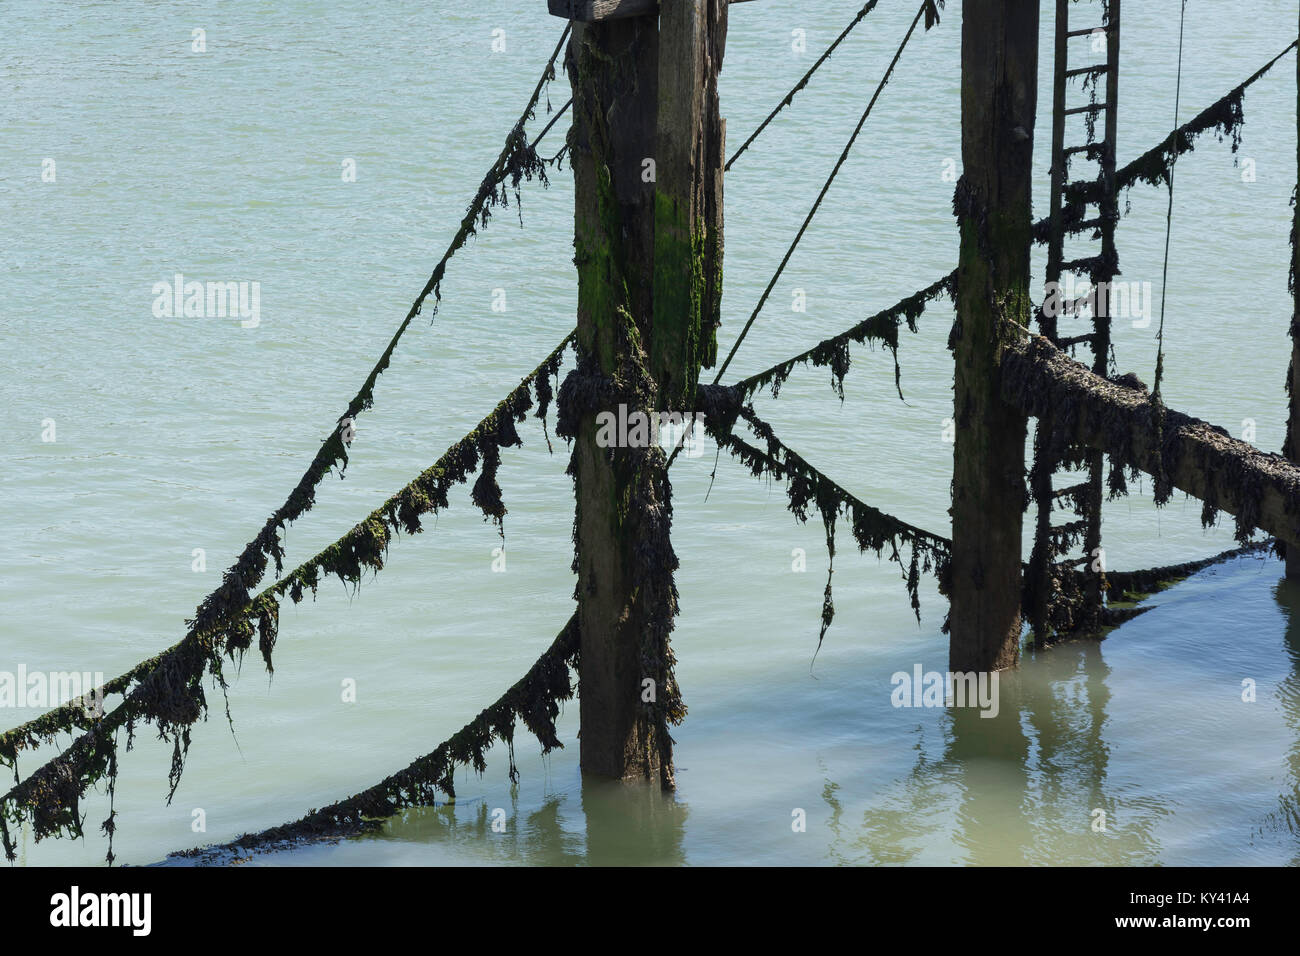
x=999 y=100
x=647 y=160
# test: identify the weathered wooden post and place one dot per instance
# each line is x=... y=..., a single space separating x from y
x=998 y=97
x=647 y=159
x=1291 y=447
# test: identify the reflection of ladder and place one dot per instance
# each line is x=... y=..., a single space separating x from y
x=1084 y=213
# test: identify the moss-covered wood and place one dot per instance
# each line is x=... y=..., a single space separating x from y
x=689 y=153
x=613 y=67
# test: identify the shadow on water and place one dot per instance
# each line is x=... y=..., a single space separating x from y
x=1022 y=786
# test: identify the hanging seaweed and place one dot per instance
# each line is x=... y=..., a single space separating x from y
x=1224 y=117
x=833 y=352
x=221 y=609
x=222 y=613
x=929 y=12
x=807 y=489
x=535 y=701
x=168 y=691
x=644 y=511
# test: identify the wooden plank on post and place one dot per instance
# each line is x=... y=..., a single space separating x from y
x=590 y=11
x=688 y=164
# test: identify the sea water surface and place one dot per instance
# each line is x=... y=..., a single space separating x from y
x=176 y=434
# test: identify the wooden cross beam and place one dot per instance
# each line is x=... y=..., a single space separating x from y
x=589 y=11
x=1261 y=490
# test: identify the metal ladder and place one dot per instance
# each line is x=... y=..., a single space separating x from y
x=1081 y=209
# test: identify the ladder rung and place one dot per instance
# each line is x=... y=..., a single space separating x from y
x=1073 y=527
x=1089 y=147
x=1084 y=70
x=1087 y=224
x=1077 y=340
x=1087 y=31
x=1071 y=490
x=1081 y=265
x=1090 y=108
x=1071 y=306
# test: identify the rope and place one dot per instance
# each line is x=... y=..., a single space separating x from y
x=1169 y=218
x=789 y=97
x=558 y=113
x=534 y=701
x=45 y=725
x=839 y=164
x=249 y=567
x=163 y=684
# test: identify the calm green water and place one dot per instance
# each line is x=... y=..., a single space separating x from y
x=175 y=434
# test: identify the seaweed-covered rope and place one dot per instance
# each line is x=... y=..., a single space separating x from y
x=518 y=161
x=168 y=690
x=807 y=487
x=803 y=81
x=926 y=9
x=247 y=571
x=534 y=700
x=1224 y=116
x=834 y=351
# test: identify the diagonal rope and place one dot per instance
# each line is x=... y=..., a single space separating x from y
x=926 y=7
x=534 y=701
x=789 y=97
x=1169 y=219
x=1178 y=142
x=517 y=161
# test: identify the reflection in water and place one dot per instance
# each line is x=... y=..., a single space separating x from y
x=1287 y=594
x=1148 y=727
x=536 y=838
x=632 y=822
x=617 y=824
x=1020 y=787
x=992 y=753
